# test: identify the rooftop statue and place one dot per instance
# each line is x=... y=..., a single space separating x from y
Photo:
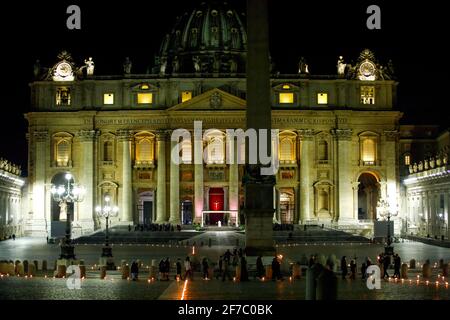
x=37 y=69
x=341 y=66
x=303 y=66
x=127 y=66
x=196 y=61
x=89 y=66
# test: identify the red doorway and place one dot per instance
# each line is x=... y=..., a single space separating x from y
x=216 y=203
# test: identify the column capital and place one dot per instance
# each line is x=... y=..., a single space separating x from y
x=40 y=136
x=305 y=134
x=162 y=135
x=342 y=134
x=391 y=135
x=124 y=135
x=87 y=135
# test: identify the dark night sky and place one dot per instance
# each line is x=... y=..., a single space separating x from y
x=412 y=35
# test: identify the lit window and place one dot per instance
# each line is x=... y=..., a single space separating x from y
x=144 y=87
x=286 y=86
x=145 y=98
x=216 y=151
x=368 y=151
x=108 y=98
x=286 y=98
x=186 y=151
x=323 y=150
x=286 y=150
x=367 y=95
x=63 y=97
x=144 y=151
x=322 y=98
x=186 y=96
x=63 y=153
x=407 y=160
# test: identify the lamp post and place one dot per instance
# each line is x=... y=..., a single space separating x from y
x=384 y=209
x=64 y=194
x=107 y=211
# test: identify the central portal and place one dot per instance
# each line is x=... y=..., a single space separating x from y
x=216 y=207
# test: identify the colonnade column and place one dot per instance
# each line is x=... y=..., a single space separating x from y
x=126 y=210
x=86 y=218
x=198 y=177
x=233 y=203
x=306 y=142
x=161 y=216
x=174 y=187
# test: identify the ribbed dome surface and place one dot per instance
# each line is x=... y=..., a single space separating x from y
x=210 y=39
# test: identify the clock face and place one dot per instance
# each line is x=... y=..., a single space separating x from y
x=367 y=71
x=64 y=69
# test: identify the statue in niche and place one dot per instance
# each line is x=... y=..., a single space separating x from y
x=196 y=61
x=438 y=160
x=415 y=167
x=445 y=159
x=420 y=166
x=233 y=65
x=155 y=68
x=37 y=69
x=62 y=211
x=341 y=66
x=89 y=66
x=425 y=164
x=175 y=64
x=303 y=66
x=127 y=66
x=163 y=66
x=216 y=64
x=432 y=163
x=411 y=169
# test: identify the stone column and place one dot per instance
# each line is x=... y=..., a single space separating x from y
x=37 y=225
x=345 y=211
x=126 y=210
x=355 y=187
x=174 y=188
x=86 y=216
x=233 y=195
x=447 y=213
x=161 y=216
x=306 y=162
x=198 y=178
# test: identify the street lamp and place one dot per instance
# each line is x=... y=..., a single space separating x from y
x=107 y=211
x=384 y=209
x=64 y=194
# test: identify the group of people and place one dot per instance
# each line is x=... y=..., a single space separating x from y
x=154 y=227
x=164 y=269
x=383 y=260
x=229 y=260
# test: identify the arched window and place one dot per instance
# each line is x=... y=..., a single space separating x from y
x=62 y=153
x=323 y=150
x=108 y=151
x=216 y=150
x=186 y=151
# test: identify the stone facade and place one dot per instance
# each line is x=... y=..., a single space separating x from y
x=338 y=135
x=11 y=211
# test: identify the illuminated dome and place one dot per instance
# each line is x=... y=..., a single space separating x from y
x=210 y=39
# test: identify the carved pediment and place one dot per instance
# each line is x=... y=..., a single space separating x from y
x=213 y=100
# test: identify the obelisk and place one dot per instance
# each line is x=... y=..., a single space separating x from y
x=258 y=203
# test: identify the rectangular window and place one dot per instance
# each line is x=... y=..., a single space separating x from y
x=63 y=97
x=322 y=98
x=286 y=98
x=186 y=96
x=108 y=98
x=368 y=151
x=145 y=98
x=367 y=95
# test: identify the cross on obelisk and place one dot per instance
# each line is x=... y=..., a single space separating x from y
x=258 y=205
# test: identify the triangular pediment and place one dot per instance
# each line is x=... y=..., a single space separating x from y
x=212 y=100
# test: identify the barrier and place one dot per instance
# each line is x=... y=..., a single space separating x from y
x=404 y=271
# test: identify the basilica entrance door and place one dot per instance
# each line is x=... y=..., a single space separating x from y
x=186 y=212
x=148 y=212
x=216 y=203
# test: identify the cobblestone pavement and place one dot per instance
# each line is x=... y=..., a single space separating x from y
x=116 y=288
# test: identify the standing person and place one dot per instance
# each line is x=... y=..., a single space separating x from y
x=397 y=265
x=352 y=269
x=161 y=267
x=311 y=261
x=226 y=269
x=220 y=267
x=244 y=272
x=344 y=267
x=166 y=269
x=188 y=268
x=14 y=237
x=276 y=269
x=227 y=255
x=386 y=263
x=134 y=271
x=205 y=268
x=178 y=265
x=363 y=271
x=260 y=271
